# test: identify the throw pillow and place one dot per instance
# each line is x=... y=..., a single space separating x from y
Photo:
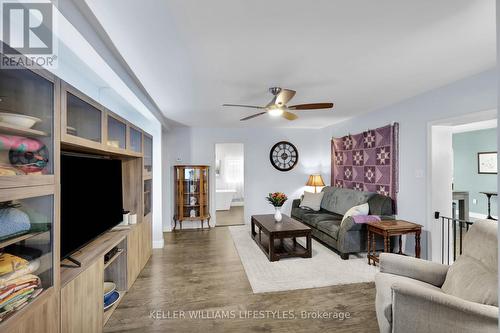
x=311 y=201
x=469 y=279
x=357 y=210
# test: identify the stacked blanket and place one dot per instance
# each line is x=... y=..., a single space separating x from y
x=18 y=285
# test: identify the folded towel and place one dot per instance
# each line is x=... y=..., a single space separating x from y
x=10 y=263
x=366 y=218
x=8 y=278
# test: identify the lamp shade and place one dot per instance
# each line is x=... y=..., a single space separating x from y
x=315 y=180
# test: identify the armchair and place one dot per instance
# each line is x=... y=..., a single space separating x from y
x=415 y=295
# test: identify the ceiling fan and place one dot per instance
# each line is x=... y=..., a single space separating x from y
x=277 y=107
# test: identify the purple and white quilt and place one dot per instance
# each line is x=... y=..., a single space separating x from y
x=367 y=161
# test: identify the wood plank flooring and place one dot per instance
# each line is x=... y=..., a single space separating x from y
x=200 y=273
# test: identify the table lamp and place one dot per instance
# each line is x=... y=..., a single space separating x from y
x=315 y=180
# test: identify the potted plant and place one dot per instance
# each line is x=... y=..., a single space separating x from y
x=277 y=199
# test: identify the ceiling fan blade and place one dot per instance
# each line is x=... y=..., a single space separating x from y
x=312 y=106
x=284 y=96
x=253 y=116
x=245 y=106
x=289 y=116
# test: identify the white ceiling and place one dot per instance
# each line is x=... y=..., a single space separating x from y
x=194 y=55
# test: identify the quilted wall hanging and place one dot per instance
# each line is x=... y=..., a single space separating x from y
x=367 y=161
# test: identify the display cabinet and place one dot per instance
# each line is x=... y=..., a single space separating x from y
x=192 y=194
x=28 y=133
x=116 y=132
x=28 y=252
x=148 y=197
x=135 y=139
x=148 y=155
x=82 y=118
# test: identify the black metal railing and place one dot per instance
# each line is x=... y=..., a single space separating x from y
x=452 y=233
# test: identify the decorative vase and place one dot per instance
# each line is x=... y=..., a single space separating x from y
x=277 y=214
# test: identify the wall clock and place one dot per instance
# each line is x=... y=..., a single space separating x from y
x=284 y=156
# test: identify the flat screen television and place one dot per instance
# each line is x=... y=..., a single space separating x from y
x=91 y=199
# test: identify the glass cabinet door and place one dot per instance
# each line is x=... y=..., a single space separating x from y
x=147 y=196
x=117 y=133
x=135 y=140
x=148 y=154
x=26 y=123
x=83 y=119
x=26 y=240
x=191 y=192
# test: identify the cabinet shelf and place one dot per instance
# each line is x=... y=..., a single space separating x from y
x=15 y=130
x=109 y=312
x=20 y=238
x=113 y=258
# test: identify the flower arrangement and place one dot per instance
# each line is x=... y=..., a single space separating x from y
x=277 y=199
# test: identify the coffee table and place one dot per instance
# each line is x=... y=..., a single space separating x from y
x=279 y=239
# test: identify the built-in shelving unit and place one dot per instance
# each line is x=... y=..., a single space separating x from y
x=65 y=118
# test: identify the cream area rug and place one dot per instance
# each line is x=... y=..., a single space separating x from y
x=325 y=268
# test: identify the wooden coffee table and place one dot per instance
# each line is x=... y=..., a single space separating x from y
x=279 y=239
x=387 y=229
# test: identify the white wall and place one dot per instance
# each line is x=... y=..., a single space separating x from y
x=197 y=146
x=473 y=94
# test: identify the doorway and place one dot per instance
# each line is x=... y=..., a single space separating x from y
x=229 y=184
x=457 y=181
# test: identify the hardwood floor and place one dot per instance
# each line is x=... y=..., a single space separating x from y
x=200 y=273
x=234 y=216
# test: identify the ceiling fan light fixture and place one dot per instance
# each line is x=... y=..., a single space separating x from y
x=276 y=112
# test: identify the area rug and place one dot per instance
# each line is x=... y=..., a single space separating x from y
x=325 y=268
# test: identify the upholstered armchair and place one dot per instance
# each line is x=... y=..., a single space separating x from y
x=415 y=295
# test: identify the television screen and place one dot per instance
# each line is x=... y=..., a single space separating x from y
x=91 y=199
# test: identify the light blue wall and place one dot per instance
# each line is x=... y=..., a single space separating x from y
x=465 y=173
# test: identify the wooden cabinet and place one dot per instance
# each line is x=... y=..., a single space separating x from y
x=148 y=155
x=192 y=194
x=135 y=139
x=29 y=131
x=139 y=245
x=116 y=133
x=133 y=258
x=82 y=118
x=41 y=317
x=62 y=116
x=82 y=299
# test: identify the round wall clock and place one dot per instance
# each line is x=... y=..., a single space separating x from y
x=284 y=156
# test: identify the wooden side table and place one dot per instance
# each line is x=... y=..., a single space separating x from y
x=387 y=229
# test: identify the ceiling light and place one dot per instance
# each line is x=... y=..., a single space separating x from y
x=276 y=112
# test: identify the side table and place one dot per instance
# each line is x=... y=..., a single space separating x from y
x=387 y=229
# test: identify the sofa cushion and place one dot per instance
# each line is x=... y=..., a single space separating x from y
x=381 y=205
x=362 y=209
x=330 y=227
x=311 y=201
x=299 y=213
x=474 y=275
x=340 y=200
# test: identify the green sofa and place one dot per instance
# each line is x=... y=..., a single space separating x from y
x=327 y=226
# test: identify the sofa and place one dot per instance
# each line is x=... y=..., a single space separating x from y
x=414 y=295
x=346 y=237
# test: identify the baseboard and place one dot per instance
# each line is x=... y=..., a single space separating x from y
x=237 y=203
x=158 y=244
